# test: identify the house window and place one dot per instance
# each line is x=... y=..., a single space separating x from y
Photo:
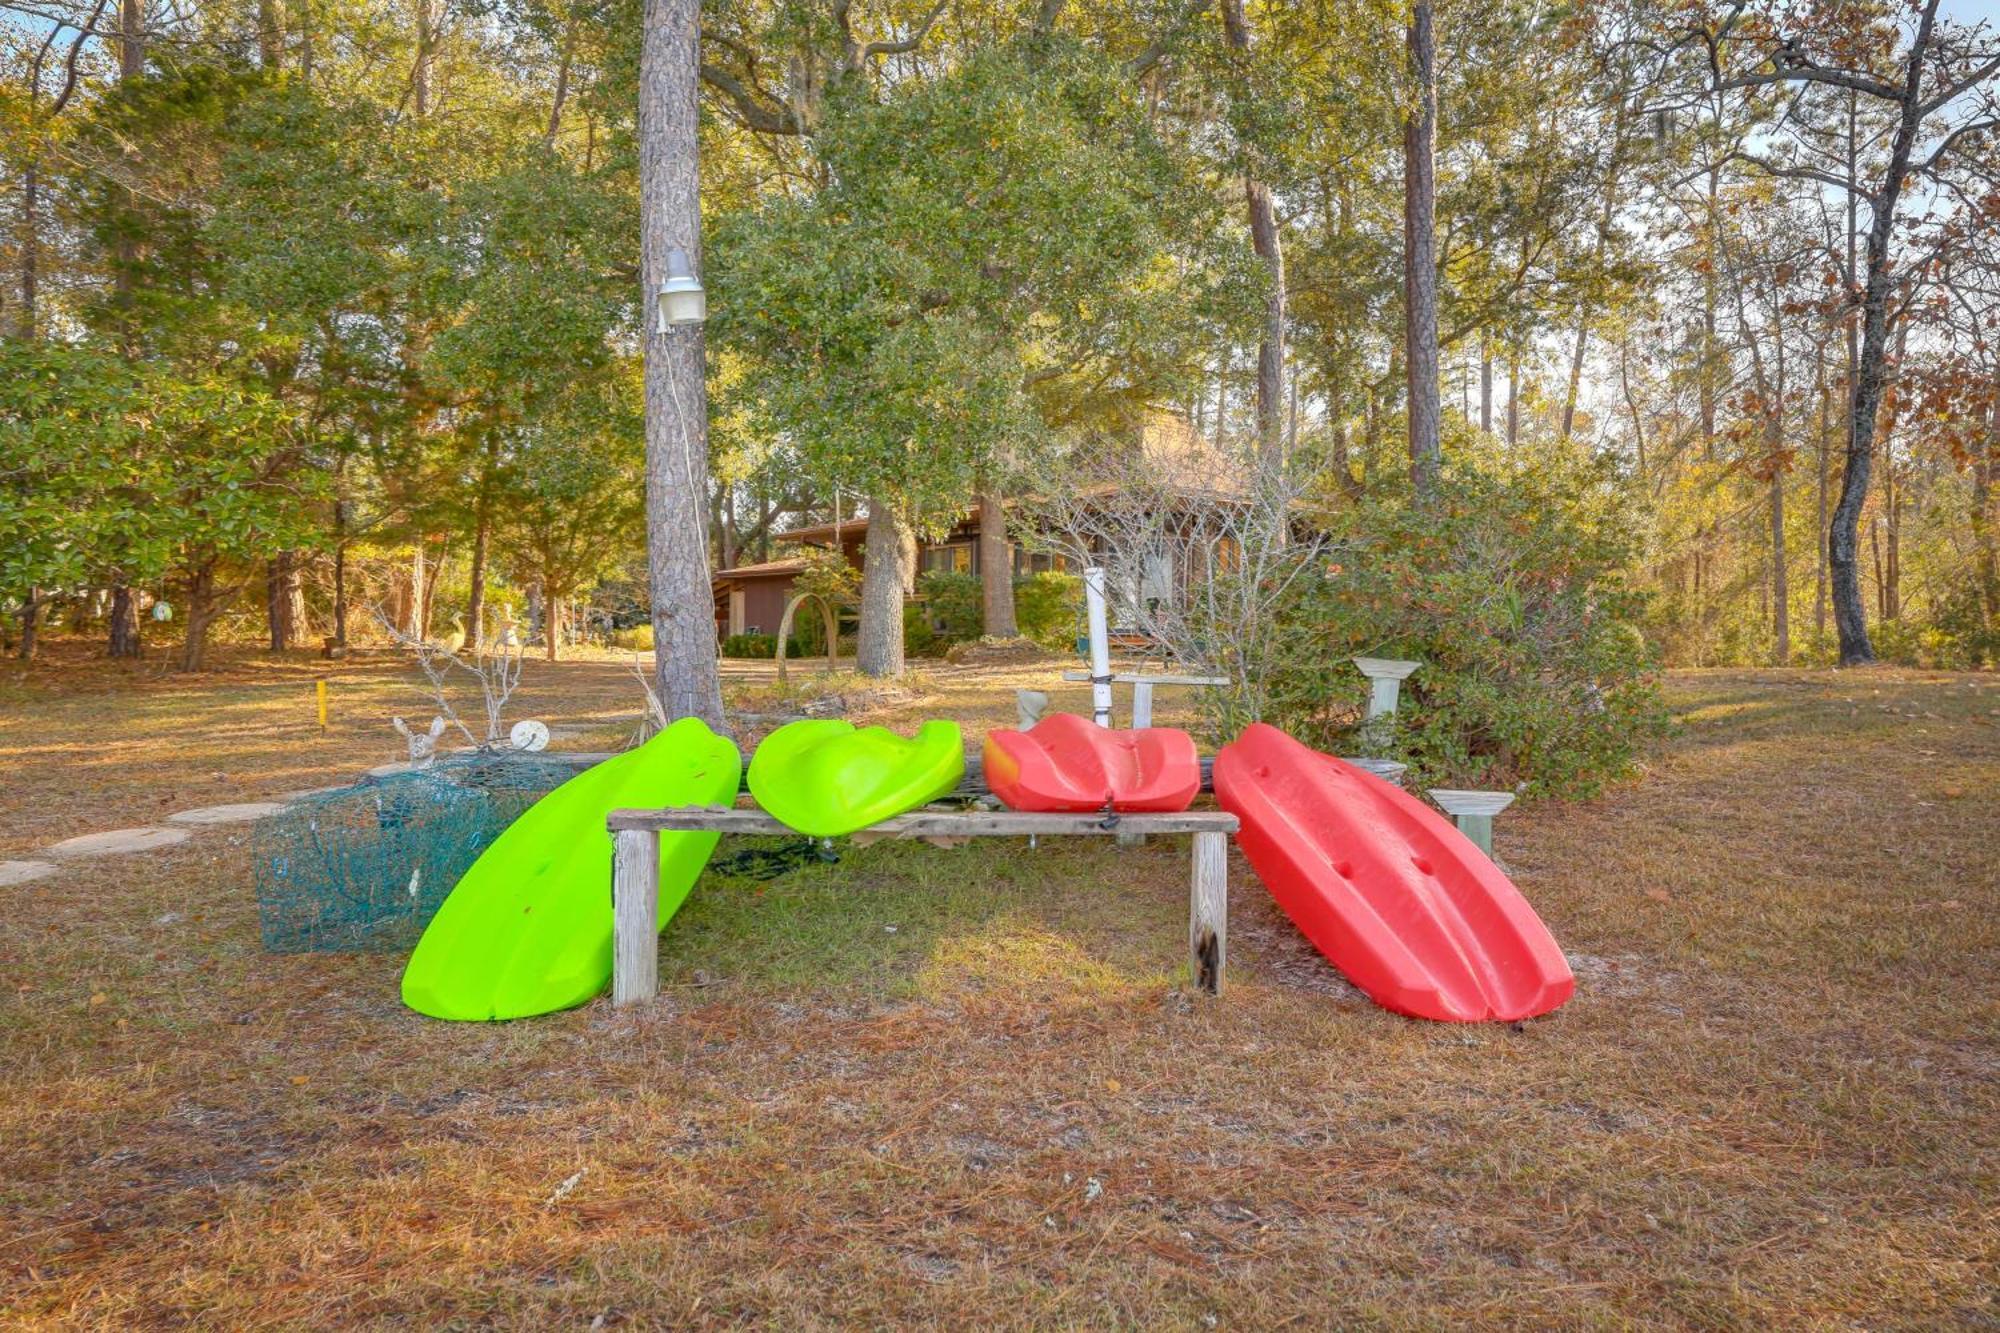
x=955 y=558
x=1036 y=562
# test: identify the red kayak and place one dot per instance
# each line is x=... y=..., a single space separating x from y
x=1065 y=762
x=1386 y=888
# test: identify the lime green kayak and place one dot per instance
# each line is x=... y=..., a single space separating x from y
x=527 y=930
x=823 y=777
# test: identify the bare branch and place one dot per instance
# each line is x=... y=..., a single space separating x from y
x=1945 y=145
x=909 y=43
x=755 y=115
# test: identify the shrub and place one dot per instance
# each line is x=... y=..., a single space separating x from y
x=750 y=645
x=638 y=639
x=1047 y=607
x=953 y=610
x=1509 y=593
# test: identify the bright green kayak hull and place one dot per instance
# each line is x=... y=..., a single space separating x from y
x=823 y=777
x=527 y=930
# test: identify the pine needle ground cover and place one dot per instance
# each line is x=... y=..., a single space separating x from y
x=964 y=1086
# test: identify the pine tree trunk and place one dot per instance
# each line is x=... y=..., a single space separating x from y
x=475 y=590
x=26 y=323
x=552 y=628
x=879 y=651
x=340 y=573
x=1485 y=386
x=1986 y=558
x=124 y=627
x=689 y=678
x=278 y=585
x=1513 y=399
x=1781 y=604
x=1420 y=337
x=996 y=565
x=270 y=34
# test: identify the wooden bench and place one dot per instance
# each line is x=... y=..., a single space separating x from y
x=635 y=879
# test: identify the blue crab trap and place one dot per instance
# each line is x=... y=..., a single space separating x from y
x=364 y=867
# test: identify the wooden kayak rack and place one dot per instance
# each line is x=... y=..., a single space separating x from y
x=635 y=877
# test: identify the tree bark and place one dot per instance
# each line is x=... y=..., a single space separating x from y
x=26 y=323
x=475 y=591
x=552 y=627
x=1269 y=248
x=31 y=614
x=1485 y=386
x=1986 y=559
x=339 y=570
x=131 y=38
x=282 y=599
x=1781 y=603
x=1420 y=336
x=420 y=74
x=1819 y=515
x=1843 y=554
x=1513 y=399
x=124 y=622
x=413 y=622
x=996 y=565
x=884 y=579
x=270 y=34
x=688 y=675
x=204 y=603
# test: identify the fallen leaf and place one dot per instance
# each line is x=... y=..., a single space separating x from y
x=1953 y=793
x=1659 y=895
x=99 y=998
x=300 y=1080
x=1113 y=1085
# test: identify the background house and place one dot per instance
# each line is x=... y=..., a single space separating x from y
x=1172 y=457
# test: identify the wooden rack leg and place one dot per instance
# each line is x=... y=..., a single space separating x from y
x=635 y=917
x=1208 y=911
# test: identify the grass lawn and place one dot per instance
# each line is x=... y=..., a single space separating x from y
x=966 y=1086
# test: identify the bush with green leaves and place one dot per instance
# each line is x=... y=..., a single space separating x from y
x=750 y=645
x=954 y=607
x=1048 y=607
x=637 y=639
x=1510 y=593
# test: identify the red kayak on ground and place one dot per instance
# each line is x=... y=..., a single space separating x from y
x=1065 y=762
x=1386 y=888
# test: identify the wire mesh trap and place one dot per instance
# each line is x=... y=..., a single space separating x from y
x=363 y=868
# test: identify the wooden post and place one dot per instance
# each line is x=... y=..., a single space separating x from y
x=1208 y=911
x=635 y=917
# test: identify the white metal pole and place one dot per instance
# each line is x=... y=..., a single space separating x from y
x=1100 y=646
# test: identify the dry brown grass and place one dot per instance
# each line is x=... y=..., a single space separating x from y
x=1772 y=1102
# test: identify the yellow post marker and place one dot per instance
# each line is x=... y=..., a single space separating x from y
x=319 y=688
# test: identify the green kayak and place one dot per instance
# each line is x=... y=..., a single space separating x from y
x=527 y=930
x=825 y=778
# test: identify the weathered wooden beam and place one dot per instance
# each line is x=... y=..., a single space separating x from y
x=1208 y=912
x=930 y=823
x=1150 y=678
x=635 y=916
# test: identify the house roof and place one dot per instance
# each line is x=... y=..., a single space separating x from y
x=767 y=570
x=824 y=532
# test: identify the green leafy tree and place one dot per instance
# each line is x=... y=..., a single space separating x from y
x=993 y=261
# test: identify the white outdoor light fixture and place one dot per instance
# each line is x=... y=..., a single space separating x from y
x=681 y=299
